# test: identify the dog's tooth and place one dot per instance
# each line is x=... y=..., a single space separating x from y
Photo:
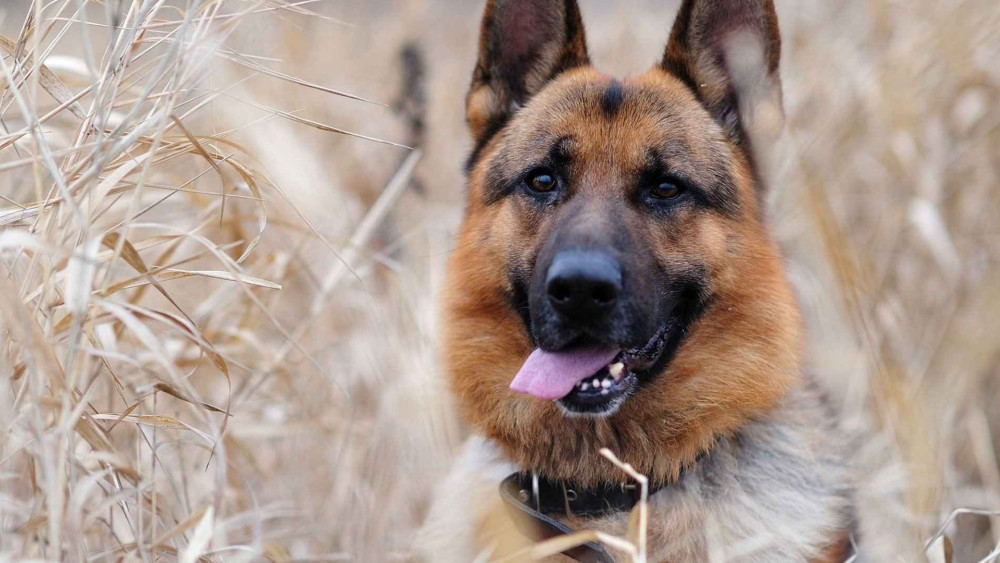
x=616 y=370
x=604 y=391
x=606 y=383
x=596 y=382
x=584 y=386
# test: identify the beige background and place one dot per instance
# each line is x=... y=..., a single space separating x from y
x=886 y=203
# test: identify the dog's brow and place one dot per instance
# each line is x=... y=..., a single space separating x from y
x=654 y=161
x=562 y=150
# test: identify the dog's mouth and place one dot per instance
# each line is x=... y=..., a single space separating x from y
x=590 y=380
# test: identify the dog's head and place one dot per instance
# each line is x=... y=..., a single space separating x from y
x=613 y=283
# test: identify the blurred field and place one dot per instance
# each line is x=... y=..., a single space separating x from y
x=175 y=162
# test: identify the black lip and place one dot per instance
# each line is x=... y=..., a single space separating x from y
x=594 y=401
x=518 y=299
x=691 y=307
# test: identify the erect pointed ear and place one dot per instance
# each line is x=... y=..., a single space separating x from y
x=523 y=44
x=727 y=51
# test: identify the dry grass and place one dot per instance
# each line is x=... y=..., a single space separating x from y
x=166 y=167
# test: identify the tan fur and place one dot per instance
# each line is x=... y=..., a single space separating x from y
x=736 y=380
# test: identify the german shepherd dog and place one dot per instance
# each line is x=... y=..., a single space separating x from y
x=614 y=286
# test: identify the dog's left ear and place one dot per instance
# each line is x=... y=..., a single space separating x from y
x=523 y=45
x=727 y=51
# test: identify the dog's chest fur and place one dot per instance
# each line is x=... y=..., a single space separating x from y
x=776 y=491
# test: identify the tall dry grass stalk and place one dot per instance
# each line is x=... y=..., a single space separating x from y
x=217 y=305
x=137 y=293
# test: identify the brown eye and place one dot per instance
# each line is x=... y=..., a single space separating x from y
x=666 y=190
x=542 y=181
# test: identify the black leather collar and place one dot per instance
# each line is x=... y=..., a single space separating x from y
x=530 y=500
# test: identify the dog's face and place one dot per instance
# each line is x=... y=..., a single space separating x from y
x=612 y=204
x=613 y=284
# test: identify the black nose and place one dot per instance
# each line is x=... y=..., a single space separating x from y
x=583 y=284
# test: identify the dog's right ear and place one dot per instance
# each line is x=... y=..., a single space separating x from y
x=522 y=45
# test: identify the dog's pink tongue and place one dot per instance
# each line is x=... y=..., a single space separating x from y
x=552 y=375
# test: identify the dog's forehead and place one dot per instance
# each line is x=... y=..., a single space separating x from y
x=654 y=91
x=595 y=115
